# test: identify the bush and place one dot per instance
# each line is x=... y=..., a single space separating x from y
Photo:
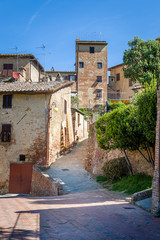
x=115 y=169
x=117 y=105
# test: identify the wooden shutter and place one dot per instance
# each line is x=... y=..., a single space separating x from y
x=6 y=132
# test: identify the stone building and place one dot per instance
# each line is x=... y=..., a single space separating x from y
x=91 y=68
x=90 y=75
x=119 y=87
x=26 y=65
x=80 y=125
x=35 y=126
x=66 y=76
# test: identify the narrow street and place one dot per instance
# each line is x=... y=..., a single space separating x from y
x=69 y=170
x=88 y=212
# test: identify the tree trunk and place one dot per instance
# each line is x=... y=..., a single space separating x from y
x=128 y=163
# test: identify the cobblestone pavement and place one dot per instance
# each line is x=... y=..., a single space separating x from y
x=69 y=170
x=93 y=215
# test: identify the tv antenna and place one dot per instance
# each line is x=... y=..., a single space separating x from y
x=44 y=49
x=15 y=48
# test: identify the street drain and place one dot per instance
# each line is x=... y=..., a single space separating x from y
x=65 y=169
x=128 y=207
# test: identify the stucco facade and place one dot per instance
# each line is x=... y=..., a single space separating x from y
x=119 y=87
x=37 y=119
x=28 y=67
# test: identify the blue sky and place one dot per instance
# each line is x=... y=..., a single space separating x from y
x=28 y=24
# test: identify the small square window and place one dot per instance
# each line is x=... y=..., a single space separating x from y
x=91 y=49
x=99 y=78
x=99 y=94
x=99 y=65
x=22 y=157
x=7 y=101
x=72 y=78
x=6 y=133
x=81 y=64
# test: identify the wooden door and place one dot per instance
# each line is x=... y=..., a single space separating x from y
x=20 y=178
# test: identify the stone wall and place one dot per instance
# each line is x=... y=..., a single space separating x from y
x=156 y=179
x=32 y=69
x=43 y=185
x=97 y=157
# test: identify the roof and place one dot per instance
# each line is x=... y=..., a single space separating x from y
x=121 y=64
x=91 y=42
x=158 y=38
x=26 y=87
x=30 y=56
x=73 y=72
x=77 y=110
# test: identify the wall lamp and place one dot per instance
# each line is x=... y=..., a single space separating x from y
x=55 y=108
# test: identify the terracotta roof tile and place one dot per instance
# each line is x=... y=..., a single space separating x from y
x=32 y=87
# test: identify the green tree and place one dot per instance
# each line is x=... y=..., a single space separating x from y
x=119 y=129
x=142 y=60
x=145 y=103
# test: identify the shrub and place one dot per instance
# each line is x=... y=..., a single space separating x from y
x=115 y=169
x=117 y=105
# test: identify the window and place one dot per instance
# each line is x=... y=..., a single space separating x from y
x=81 y=64
x=72 y=78
x=6 y=133
x=7 y=101
x=7 y=69
x=99 y=65
x=22 y=157
x=130 y=83
x=99 y=94
x=99 y=78
x=91 y=49
x=65 y=106
x=78 y=119
x=118 y=76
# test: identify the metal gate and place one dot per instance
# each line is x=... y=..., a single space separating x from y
x=20 y=178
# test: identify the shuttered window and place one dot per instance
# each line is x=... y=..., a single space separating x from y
x=65 y=106
x=6 y=133
x=7 y=101
x=7 y=69
x=118 y=76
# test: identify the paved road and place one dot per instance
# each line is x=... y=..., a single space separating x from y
x=69 y=170
x=93 y=215
x=80 y=215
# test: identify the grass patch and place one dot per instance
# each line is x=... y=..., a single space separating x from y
x=132 y=184
x=128 y=184
x=101 y=179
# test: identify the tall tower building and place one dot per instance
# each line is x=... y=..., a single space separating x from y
x=91 y=68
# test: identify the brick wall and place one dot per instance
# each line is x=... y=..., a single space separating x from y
x=156 y=179
x=87 y=76
x=43 y=185
x=97 y=157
